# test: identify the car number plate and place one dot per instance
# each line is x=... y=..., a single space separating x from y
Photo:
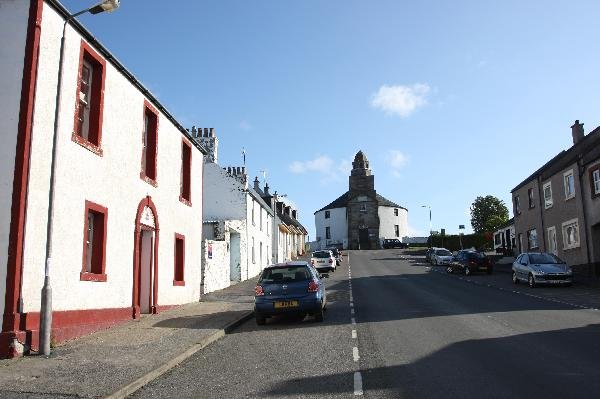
x=286 y=304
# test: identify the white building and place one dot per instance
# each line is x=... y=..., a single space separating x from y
x=289 y=235
x=360 y=218
x=127 y=208
x=245 y=218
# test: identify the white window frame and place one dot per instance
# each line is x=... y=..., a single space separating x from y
x=565 y=226
x=529 y=240
x=552 y=245
x=548 y=202
x=596 y=181
x=568 y=195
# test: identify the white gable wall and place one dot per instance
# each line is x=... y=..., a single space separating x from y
x=338 y=224
x=13 y=24
x=225 y=196
x=387 y=221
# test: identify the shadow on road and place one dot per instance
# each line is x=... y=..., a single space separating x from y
x=506 y=367
x=202 y=322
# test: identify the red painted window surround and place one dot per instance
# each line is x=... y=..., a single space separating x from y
x=95 y=101
x=149 y=144
x=94 y=264
x=185 y=195
x=178 y=276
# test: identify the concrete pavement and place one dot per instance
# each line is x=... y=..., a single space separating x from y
x=117 y=361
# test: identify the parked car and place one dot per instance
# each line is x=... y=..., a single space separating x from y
x=468 y=262
x=289 y=288
x=441 y=256
x=323 y=260
x=428 y=254
x=388 y=243
x=541 y=268
x=337 y=254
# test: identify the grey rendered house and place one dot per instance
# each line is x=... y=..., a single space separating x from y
x=557 y=208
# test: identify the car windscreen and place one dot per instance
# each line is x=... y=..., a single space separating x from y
x=321 y=254
x=443 y=252
x=290 y=274
x=476 y=255
x=544 y=258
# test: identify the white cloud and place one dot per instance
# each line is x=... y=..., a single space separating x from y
x=322 y=165
x=400 y=100
x=245 y=125
x=396 y=160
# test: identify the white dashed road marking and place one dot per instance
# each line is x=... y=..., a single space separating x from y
x=358 y=391
x=355 y=354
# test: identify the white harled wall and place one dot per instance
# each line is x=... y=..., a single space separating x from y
x=112 y=181
x=387 y=221
x=13 y=24
x=261 y=235
x=338 y=224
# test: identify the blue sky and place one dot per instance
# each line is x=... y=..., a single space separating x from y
x=449 y=100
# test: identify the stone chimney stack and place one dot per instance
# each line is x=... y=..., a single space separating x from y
x=294 y=213
x=256 y=184
x=238 y=173
x=577 y=132
x=206 y=137
x=266 y=190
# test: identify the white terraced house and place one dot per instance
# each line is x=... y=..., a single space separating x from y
x=128 y=185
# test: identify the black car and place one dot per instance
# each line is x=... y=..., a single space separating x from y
x=469 y=262
x=337 y=254
x=393 y=243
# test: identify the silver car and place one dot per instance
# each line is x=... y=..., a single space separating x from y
x=541 y=268
x=441 y=256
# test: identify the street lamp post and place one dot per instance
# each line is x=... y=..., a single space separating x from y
x=46 y=305
x=430 y=227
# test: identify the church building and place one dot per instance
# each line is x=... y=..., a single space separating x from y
x=360 y=218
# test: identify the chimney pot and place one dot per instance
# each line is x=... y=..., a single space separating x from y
x=212 y=132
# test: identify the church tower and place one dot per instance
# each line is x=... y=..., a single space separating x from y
x=361 y=178
x=362 y=207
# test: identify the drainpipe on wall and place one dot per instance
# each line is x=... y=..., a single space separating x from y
x=539 y=183
x=580 y=173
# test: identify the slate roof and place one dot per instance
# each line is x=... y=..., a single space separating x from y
x=342 y=202
x=586 y=147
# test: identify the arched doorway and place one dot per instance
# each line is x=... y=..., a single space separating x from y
x=145 y=259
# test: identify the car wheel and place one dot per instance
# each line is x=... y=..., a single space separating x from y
x=260 y=320
x=449 y=270
x=531 y=281
x=568 y=284
x=319 y=315
x=515 y=279
x=467 y=271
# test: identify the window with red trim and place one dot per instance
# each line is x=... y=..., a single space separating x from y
x=94 y=242
x=89 y=99
x=149 y=143
x=178 y=278
x=186 y=172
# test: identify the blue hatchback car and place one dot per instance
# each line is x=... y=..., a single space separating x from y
x=289 y=288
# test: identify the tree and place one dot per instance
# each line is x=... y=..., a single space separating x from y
x=488 y=213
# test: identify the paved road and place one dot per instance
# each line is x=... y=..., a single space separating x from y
x=417 y=334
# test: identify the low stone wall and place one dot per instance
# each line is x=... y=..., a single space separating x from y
x=216 y=265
